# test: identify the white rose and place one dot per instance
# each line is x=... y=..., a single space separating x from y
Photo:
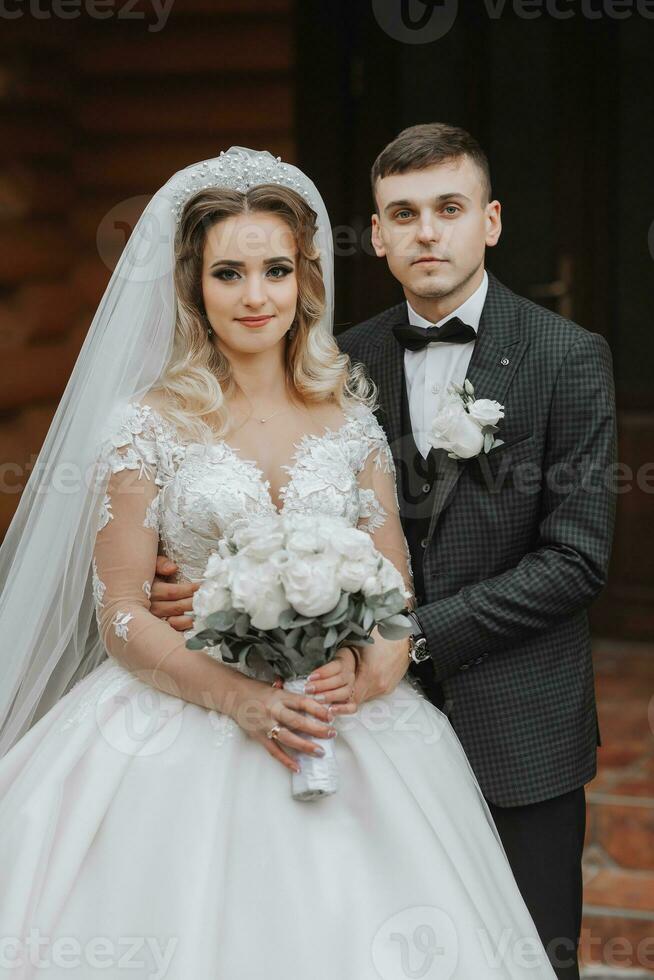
x=258 y=591
x=217 y=566
x=352 y=543
x=304 y=541
x=311 y=584
x=261 y=537
x=211 y=597
x=485 y=411
x=356 y=556
x=454 y=430
x=243 y=571
x=390 y=577
x=311 y=533
x=385 y=578
x=353 y=574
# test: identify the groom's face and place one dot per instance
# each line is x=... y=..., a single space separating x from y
x=433 y=226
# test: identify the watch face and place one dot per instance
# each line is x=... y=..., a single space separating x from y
x=419 y=651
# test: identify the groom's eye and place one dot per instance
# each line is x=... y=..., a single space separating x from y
x=452 y=209
x=404 y=213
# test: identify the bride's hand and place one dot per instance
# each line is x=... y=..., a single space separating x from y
x=334 y=682
x=267 y=706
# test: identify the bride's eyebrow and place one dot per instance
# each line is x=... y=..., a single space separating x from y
x=241 y=265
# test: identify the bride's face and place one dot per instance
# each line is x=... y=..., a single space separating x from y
x=249 y=281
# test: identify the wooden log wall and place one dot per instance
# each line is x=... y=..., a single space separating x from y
x=95 y=115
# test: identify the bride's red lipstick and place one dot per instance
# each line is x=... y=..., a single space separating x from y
x=254 y=321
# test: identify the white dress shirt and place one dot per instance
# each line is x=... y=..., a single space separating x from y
x=429 y=371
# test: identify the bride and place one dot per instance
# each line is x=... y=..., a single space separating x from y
x=146 y=818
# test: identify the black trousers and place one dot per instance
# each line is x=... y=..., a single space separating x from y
x=544 y=842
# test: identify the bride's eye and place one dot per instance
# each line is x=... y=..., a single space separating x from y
x=225 y=275
x=281 y=271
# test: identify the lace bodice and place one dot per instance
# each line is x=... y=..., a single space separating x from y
x=169 y=496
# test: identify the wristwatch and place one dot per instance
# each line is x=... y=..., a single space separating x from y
x=418 y=650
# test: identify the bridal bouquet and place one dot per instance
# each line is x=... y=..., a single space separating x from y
x=292 y=589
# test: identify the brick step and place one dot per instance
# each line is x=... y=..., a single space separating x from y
x=622 y=825
x=618 y=939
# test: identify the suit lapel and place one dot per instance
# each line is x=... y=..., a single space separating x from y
x=390 y=373
x=497 y=353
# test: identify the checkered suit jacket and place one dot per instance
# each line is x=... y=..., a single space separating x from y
x=518 y=543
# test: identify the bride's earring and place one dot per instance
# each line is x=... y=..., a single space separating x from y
x=292 y=330
x=210 y=331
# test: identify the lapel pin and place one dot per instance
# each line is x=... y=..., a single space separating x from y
x=505 y=361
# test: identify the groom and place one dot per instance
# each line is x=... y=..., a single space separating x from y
x=508 y=548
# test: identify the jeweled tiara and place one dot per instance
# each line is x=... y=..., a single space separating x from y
x=238 y=171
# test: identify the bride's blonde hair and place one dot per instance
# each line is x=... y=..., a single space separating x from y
x=198 y=376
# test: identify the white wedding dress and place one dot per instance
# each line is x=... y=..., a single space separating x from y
x=143 y=835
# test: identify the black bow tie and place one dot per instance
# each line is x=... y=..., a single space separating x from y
x=455 y=331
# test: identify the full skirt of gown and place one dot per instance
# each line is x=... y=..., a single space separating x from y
x=143 y=836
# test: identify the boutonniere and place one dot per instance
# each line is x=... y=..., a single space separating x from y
x=464 y=425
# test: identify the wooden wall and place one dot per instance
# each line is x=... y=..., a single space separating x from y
x=95 y=115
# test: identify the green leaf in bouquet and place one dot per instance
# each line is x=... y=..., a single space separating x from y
x=335 y=615
x=347 y=638
x=399 y=620
x=312 y=645
x=391 y=632
x=395 y=627
x=292 y=637
x=194 y=643
x=242 y=625
x=243 y=653
x=330 y=637
x=209 y=636
x=342 y=635
x=223 y=620
x=303 y=621
x=290 y=618
x=368 y=618
x=355 y=628
x=286 y=618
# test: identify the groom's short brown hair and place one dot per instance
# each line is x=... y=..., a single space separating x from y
x=423 y=146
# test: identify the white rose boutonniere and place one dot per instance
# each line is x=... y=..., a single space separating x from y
x=464 y=425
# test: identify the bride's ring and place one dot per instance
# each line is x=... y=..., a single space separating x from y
x=274 y=731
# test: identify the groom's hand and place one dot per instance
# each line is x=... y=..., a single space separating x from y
x=381 y=669
x=171 y=600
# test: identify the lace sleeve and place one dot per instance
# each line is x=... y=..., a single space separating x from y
x=379 y=512
x=135 y=457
